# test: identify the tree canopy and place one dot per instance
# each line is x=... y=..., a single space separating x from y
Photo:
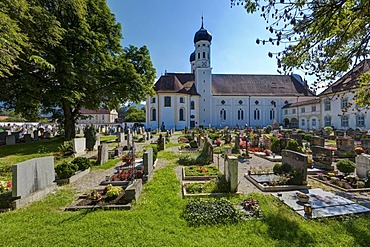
x=322 y=38
x=68 y=55
x=133 y=114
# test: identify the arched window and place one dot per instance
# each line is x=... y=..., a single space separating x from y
x=181 y=115
x=240 y=114
x=192 y=105
x=198 y=55
x=223 y=114
x=204 y=55
x=360 y=120
x=272 y=114
x=256 y=114
x=153 y=115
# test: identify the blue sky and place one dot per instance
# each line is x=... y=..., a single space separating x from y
x=167 y=28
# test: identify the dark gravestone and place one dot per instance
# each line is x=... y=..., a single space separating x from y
x=297 y=161
x=350 y=132
x=297 y=137
x=148 y=162
x=284 y=142
x=340 y=133
x=102 y=153
x=345 y=144
x=365 y=144
x=322 y=157
x=317 y=141
x=27 y=138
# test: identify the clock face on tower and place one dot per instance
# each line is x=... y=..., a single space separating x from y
x=204 y=64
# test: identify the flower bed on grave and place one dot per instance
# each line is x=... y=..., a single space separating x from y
x=200 y=172
x=348 y=184
x=215 y=187
x=111 y=197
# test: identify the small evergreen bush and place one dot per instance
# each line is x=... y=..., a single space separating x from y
x=187 y=160
x=275 y=145
x=346 y=166
x=83 y=163
x=294 y=146
x=278 y=168
x=66 y=169
x=193 y=144
x=90 y=135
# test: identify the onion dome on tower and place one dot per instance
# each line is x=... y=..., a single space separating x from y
x=192 y=57
x=202 y=34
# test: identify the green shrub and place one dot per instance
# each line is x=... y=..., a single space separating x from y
x=66 y=147
x=217 y=150
x=90 y=135
x=346 y=166
x=307 y=137
x=187 y=160
x=360 y=184
x=211 y=212
x=155 y=152
x=268 y=129
x=294 y=146
x=214 y=136
x=275 y=145
x=66 y=169
x=286 y=168
x=114 y=191
x=278 y=168
x=368 y=174
x=348 y=154
x=328 y=129
x=193 y=144
x=83 y=163
x=296 y=177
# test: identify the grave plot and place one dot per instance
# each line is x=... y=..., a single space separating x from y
x=200 y=172
x=320 y=204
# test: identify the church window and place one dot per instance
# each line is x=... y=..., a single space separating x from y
x=256 y=114
x=153 y=100
x=167 y=101
x=192 y=105
x=204 y=55
x=223 y=102
x=327 y=120
x=154 y=115
x=313 y=108
x=360 y=120
x=256 y=102
x=240 y=114
x=303 y=110
x=293 y=111
x=198 y=55
x=204 y=44
x=344 y=121
x=327 y=105
x=223 y=114
x=314 y=122
x=344 y=103
x=181 y=115
x=240 y=102
x=182 y=100
x=272 y=114
x=285 y=112
x=303 y=122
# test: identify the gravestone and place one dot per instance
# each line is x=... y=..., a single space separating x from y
x=350 y=132
x=148 y=162
x=97 y=142
x=79 y=146
x=340 y=133
x=16 y=134
x=267 y=142
x=3 y=136
x=284 y=142
x=149 y=135
x=129 y=140
x=144 y=136
x=228 y=150
x=297 y=161
x=232 y=176
x=322 y=158
x=27 y=138
x=121 y=138
x=317 y=141
x=365 y=144
x=297 y=137
x=102 y=153
x=47 y=135
x=36 y=135
x=362 y=165
x=344 y=144
x=10 y=140
x=32 y=175
x=237 y=142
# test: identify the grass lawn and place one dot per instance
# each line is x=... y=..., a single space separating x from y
x=156 y=220
x=108 y=138
x=13 y=154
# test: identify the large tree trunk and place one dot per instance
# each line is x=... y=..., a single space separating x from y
x=69 y=121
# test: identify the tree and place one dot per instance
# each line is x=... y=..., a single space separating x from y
x=134 y=114
x=89 y=66
x=322 y=38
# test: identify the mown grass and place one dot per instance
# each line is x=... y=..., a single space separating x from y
x=108 y=138
x=13 y=154
x=107 y=165
x=156 y=220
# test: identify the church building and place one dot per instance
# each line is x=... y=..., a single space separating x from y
x=219 y=100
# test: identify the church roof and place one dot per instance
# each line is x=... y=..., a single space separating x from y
x=349 y=80
x=302 y=103
x=176 y=83
x=258 y=85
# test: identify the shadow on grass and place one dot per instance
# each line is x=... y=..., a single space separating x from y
x=6 y=201
x=44 y=146
x=77 y=215
x=288 y=232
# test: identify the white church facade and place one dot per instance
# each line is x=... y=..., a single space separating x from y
x=219 y=100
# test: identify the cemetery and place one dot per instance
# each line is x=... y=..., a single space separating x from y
x=225 y=165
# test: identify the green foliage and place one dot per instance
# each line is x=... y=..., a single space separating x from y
x=193 y=144
x=348 y=154
x=307 y=137
x=187 y=159
x=66 y=147
x=286 y=168
x=133 y=114
x=201 y=171
x=114 y=191
x=268 y=129
x=328 y=129
x=214 y=136
x=82 y=163
x=275 y=145
x=368 y=174
x=277 y=169
x=211 y=212
x=66 y=169
x=296 y=177
x=90 y=135
x=346 y=166
x=294 y=146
